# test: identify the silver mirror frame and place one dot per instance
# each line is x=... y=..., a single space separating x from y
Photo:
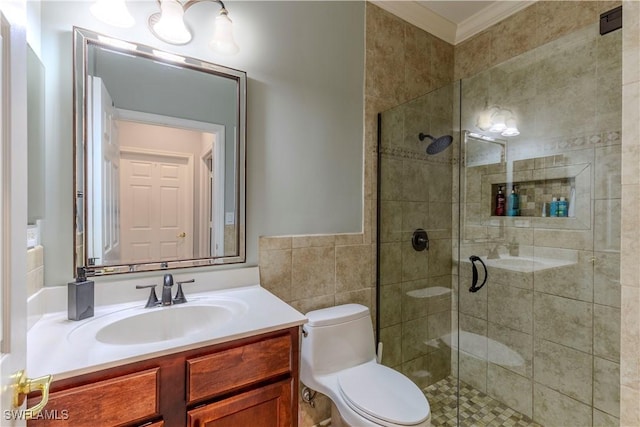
x=82 y=38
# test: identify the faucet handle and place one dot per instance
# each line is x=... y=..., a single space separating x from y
x=180 y=298
x=153 y=298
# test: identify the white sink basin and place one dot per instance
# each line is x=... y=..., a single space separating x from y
x=140 y=326
x=526 y=264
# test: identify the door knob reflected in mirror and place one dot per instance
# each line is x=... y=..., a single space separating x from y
x=183 y=234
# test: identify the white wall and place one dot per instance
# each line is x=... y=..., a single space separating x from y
x=305 y=64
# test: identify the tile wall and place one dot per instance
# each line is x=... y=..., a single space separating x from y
x=564 y=321
x=630 y=268
x=402 y=63
x=416 y=193
x=35 y=269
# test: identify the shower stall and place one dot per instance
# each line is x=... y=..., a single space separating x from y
x=505 y=308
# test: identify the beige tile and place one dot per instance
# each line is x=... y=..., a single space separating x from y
x=418 y=79
x=602 y=419
x=439 y=257
x=606 y=386
x=607 y=225
x=275 y=272
x=572 y=281
x=512 y=389
x=473 y=55
x=390 y=263
x=362 y=296
x=391 y=338
x=414 y=339
x=348 y=239
x=415 y=181
x=391 y=179
x=473 y=303
x=390 y=221
x=473 y=371
x=551 y=408
x=513 y=35
x=563 y=369
x=630 y=238
x=606 y=332
x=268 y=243
x=412 y=307
x=306 y=305
x=438 y=325
x=415 y=264
x=510 y=307
x=568 y=239
x=309 y=241
x=607 y=172
x=629 y=408
x=631 y=42
x=606 y=280
x=515 y=341
x=353 y=268
x=391 y=305
x=414 y=215
x=313 y=272
x=630 y=338
x=564 y=321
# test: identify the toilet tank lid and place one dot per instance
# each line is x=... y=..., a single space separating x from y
x=338 y=314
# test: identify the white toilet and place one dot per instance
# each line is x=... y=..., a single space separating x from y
x=338 y=360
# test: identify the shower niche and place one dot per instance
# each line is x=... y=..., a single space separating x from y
x=536 y=196
x=537 y=180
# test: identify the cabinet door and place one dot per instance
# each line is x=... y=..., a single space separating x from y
x=268 y=406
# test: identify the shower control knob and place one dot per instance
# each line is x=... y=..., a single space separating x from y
x=420 y=240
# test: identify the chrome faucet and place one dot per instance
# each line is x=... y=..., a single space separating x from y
x=166 y=292
x=493 y=253
x=167 y=284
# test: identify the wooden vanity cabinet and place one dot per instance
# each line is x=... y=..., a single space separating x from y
x=248 y=382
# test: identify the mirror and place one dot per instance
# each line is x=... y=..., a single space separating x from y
x=160 y=158
x=481 y=150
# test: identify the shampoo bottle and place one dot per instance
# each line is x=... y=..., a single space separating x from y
x=514 y=203
x=562 y=207
x=500 y=202
x=553 y=207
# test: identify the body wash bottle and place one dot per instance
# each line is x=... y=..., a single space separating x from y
x=500 y=202
x=553 y=207
x=514 y=203
x=562 y=207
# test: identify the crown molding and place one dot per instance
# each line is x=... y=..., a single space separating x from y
x=421 y=17
x=424 y=18
x=487 y=17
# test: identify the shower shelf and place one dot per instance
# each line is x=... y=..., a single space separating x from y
x=533 y=195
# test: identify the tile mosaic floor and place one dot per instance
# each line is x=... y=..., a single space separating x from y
x=476 y=408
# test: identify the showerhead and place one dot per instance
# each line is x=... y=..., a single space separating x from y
x=437 y=144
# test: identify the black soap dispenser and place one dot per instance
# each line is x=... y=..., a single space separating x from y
x=80 y=297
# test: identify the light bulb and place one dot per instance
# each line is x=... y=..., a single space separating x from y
x=113 y=12
x=498 y=123
x=511 y=129
x=170 y=27
x=223 y=41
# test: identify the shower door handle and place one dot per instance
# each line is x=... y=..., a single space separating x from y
x=474 y=281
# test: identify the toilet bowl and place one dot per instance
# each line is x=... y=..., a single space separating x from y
x=338 y=360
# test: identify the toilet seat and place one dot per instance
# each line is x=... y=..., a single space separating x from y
x=383 y=395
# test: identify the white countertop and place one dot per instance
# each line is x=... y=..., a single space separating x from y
x=52 y=348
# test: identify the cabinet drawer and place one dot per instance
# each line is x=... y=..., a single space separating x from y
x=112 y=402
x=268 y=406
x=221 y=372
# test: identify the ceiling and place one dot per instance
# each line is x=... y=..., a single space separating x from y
x=453 y=21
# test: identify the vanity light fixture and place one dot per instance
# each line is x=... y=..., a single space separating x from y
x=168 y=25
x=498 y=120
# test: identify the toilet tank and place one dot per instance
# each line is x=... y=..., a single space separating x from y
x=337 y=338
